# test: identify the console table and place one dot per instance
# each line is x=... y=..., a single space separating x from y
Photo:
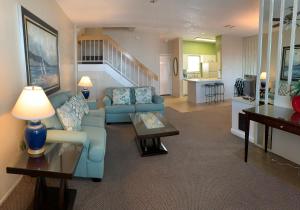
x=271 y=116
x=59 y=161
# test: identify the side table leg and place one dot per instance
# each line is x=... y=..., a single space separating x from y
x=39 y=193
x=62 y=194
x=266 y=137
x=247 y=125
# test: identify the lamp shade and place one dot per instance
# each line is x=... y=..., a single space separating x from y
x=263 y=75
x=33 y=104
x=85 y=81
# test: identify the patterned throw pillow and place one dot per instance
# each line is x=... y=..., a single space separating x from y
x=77 y=107
x=68 y=117
x=121 y=96
x=143 y=95
x=83 y=103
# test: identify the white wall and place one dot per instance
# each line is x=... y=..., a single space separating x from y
x=13 y=73
x=145 y=46
x=232 y=49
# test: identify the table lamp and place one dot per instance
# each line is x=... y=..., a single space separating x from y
x=263 y=77
x=33 y=105
x=85 y=82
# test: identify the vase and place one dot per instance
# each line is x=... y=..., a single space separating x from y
x=296 y=103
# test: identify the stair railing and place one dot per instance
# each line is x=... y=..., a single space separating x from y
x=101 y=49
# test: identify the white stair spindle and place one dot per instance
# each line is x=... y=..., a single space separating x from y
x=138 y=76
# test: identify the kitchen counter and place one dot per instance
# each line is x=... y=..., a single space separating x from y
x=196 y=89
x=204 y=80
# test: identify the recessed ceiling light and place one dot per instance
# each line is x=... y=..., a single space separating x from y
x=204 y=39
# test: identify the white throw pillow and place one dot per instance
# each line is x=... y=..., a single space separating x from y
x=77 y=107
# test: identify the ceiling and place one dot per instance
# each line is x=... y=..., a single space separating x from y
x=169 y=18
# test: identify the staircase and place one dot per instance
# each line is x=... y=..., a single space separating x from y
x=102 y=49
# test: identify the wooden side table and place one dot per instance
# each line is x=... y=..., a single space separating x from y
x=59 y=161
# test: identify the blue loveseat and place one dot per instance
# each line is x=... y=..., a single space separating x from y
x=120 y=113
x=92 y=137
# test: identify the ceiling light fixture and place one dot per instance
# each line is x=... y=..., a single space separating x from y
x=204 y=39
x=229 y=26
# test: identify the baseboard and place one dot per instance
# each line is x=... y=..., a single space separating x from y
x=241 y=134
x=11 y=189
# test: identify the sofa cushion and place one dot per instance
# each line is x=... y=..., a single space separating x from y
x=97 y=137
x=95 y=121
x=52 y=123
x=121 y=96
x=149 y=107
x=97 y=112
x=68 y=118
x=58 y=99
x=115 y=109
x=143 y=95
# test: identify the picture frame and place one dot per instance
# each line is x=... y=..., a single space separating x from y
x=41 y=52
x=285 y=64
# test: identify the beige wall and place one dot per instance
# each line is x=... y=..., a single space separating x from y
x=145 y=46
x=13 y=72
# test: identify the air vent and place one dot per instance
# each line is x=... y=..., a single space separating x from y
x=119 y=28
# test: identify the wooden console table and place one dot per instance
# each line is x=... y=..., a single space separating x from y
x=271 y=116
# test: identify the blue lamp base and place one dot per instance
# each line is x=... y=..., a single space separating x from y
x=35 y=136
x=86 y=93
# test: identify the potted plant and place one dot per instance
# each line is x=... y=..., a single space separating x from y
x=295 y=94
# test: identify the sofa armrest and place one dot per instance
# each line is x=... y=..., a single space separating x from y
x=92 y=104
x=158 y=99
x=107 y=101
x=63 y=136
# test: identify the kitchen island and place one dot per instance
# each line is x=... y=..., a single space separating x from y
x=196 y=89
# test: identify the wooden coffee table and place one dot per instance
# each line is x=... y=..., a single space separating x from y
x=59 y=161
x=149 y=128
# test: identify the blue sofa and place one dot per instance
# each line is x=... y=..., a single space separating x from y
x=92 y=137
x=120 y=113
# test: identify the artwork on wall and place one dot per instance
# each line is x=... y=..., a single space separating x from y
x=41 y=51
x=285 y=64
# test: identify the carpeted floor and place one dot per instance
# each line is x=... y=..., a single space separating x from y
x=203 y=170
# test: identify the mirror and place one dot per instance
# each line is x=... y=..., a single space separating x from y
x=175 y=66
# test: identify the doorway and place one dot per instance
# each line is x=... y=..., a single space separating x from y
x=165 y=75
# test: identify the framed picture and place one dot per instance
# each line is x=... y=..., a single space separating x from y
x=41 y=51
x=285 y=64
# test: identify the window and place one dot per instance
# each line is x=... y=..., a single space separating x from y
x=193 y=63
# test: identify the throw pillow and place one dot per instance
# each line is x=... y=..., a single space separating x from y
x=68 y=117
x=77 y=107
x=83 y=103
x=121 y=96
x=143 y=95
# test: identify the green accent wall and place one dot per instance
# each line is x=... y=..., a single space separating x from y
x=199 y=48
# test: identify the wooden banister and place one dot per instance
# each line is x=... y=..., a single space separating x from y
x=124 y=54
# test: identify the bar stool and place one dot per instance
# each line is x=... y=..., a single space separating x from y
x=210 y=92
x=219 y=91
